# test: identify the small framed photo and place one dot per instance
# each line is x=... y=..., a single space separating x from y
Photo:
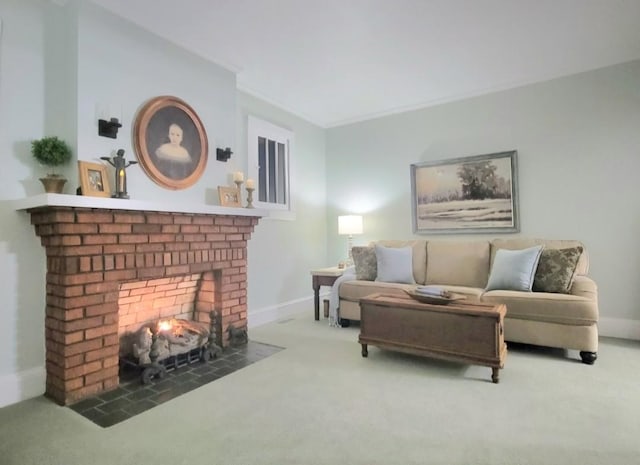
x=93 y=179
x=229 y=196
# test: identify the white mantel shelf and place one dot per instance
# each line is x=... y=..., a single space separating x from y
x=79 y=201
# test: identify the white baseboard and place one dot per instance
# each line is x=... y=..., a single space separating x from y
x=276 y=312
x=23 y=385
x=620 y=328
x=30 y=383
x=608 y=327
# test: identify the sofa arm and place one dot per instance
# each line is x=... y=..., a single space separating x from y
x=583 y=286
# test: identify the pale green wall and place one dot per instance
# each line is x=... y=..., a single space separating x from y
x=287 y=250
x=22 y=261
x=123 y=66
x=577 y=139
x=57 y=64
x=578 y=143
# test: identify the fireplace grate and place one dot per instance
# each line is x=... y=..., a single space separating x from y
x=165 y=345
x=160 y=368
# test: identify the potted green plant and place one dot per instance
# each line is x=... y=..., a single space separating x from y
x=51 y=152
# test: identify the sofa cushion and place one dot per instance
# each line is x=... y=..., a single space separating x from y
x=544 y=333
x=458 y=263
x=472 y=294
x=395 y=264
x=419 y=248
x=556 y=269
x=355 y=290
x=364 y=259
x=584 y=286
x=514 y=269
x=582 y=268
x=541 y=306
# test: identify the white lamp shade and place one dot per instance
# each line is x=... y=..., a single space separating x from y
x=350 y=224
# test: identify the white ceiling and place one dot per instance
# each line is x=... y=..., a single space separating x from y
x=338 y=61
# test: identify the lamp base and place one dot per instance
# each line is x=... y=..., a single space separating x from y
x=349 y=261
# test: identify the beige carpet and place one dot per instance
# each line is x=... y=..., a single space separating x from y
x=319 y=402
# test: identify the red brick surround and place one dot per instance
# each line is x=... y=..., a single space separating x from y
x=151 y=300
x=91 y=252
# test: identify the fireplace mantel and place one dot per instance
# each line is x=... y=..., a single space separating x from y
x=95 y=245
x=79 y=201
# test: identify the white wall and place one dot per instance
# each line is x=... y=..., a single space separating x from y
x=122 y=66
x=288 y=250
x=22 y=262
x=56 y=65
x=577 y=140
x=578 y=143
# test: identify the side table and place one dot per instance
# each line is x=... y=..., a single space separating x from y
x=323 y=277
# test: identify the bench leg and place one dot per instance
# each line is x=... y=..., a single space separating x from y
x=495 y=375
x=365 y=352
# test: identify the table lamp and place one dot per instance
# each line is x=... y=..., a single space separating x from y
x=348 y=225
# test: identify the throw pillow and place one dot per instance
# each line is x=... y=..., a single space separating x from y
x=556 y=270
x=364 y=259
x=395 y=264
x=514 y=270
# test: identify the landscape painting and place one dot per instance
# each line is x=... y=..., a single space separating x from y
x=475 y=194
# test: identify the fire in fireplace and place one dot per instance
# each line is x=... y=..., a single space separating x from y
x=168 y=344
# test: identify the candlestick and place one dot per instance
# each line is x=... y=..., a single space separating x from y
x=249 y=194
x=120 y=164
x=121 y=180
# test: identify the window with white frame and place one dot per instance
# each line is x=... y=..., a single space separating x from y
x=270 y=150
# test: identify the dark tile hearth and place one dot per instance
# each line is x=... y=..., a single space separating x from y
x=132 y=397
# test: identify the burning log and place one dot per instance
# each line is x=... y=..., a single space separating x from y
x=173 y=337
x=169 y=344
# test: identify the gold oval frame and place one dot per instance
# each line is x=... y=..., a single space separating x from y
x=159 y=114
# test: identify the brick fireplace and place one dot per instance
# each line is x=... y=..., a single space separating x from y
x=95 y=256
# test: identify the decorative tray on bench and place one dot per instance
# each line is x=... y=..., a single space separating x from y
x=445 y=298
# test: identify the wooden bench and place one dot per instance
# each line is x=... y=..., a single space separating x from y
x=461 y=331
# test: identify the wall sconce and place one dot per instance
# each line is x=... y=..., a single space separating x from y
x=223 y=154
x=109 y=128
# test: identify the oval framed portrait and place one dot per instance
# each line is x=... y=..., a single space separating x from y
x=170 y=142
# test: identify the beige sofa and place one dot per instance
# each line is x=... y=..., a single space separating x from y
x=566 y=321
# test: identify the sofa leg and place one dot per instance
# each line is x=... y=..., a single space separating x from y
x=588 y=358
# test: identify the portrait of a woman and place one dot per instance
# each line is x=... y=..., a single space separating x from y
x=173 y=150
x=171 y=142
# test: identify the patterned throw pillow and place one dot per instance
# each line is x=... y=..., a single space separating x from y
x=556 y=269
x=364 y=259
